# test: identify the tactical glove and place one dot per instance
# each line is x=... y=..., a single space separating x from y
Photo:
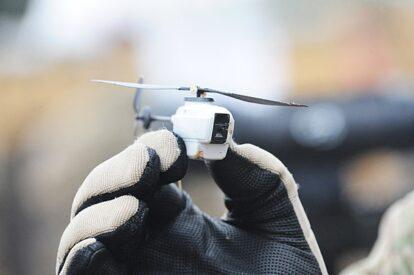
x=127 y=217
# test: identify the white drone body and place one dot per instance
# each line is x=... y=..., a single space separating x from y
x=205 y=128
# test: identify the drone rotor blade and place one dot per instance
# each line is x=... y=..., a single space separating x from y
x=246 y=98
x=253 y=99
x=141 y=86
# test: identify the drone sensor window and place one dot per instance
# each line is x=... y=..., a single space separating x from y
x=220 y=128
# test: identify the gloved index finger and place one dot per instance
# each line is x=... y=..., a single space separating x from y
x=172 y=153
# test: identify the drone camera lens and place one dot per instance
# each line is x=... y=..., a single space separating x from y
x=220 y=128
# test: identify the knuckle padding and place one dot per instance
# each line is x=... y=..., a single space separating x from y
x=145 y=187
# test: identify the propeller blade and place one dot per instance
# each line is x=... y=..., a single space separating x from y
x=246 y=98
x=141 y=86
x=253 y=99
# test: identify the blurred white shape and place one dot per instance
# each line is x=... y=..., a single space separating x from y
x=221 y=44
x=322 y=126
x=230 y=45
x=72 y=29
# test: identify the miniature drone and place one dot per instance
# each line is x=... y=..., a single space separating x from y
x=205 y=127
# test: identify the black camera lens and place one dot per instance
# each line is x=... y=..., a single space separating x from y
x=220 y=128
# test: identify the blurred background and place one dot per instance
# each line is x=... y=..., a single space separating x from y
x=351 y=61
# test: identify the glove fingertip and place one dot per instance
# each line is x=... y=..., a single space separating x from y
x=171 y=151
x=178 y=168
x=258 y=156
x=262 y=159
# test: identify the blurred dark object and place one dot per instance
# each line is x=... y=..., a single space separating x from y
x=334 y=127
x=13 y=7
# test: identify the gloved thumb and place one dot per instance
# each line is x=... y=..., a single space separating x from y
x=261 y=194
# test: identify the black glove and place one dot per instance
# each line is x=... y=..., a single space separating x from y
x=127 y=218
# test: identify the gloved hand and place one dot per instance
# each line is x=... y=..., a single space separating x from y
x=127 y=218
